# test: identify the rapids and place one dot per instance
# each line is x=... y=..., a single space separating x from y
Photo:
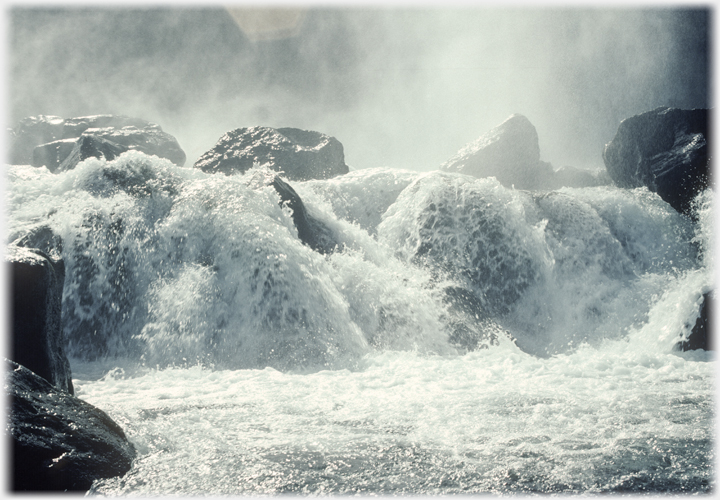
x=463 y=337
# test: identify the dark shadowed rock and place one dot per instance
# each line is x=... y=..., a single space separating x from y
x=509 y=152
x=49 y=140
x=667 y=150
x=311 y=231
x=700 y=336
x=300 y=154
x=59 y=442
x=36 y=305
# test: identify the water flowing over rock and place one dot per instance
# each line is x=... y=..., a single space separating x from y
x=667 y=150
x=299 y=154
x=36 y=298
x=59 y=442
x=509 y=254
x=462 y=228
x=53 y=141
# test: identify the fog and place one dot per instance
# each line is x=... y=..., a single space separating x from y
x=398 y=87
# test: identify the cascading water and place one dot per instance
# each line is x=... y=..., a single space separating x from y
x=462 y=337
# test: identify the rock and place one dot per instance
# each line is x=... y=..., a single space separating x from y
x=30 y=132
x=700 y=336
x=56 y=158
x=48 y=140
x=666 y=150
x=37 y=337
x=149 y=139
x=59 y=442
x=311 y=231
x=299 y=154
x=509 y=152
x=74 y=127
x=52 y=154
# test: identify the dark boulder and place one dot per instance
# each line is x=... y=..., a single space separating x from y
x=299 y=154
x=509 y=152
x=667 y=150
x=36 y=305
x=49 y=140
x=700 y=335
x=311 y=231
x=59 y=442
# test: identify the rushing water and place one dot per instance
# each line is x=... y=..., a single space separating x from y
x=463 y=337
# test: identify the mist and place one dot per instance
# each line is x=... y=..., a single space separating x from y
x=398 y=87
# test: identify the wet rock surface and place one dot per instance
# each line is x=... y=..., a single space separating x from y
x=311 y=231
x=36 y=306
x=59 y=442
x=298 y=154
x=667 y=150
x=701 y=334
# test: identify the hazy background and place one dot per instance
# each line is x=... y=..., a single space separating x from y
x=398 y=87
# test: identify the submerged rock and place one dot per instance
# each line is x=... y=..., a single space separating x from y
x=299 y=154
x=59 y=442
x=466 y=230
x=53 y=141
x=667 y=150
x=36 y=305
x=311 y=231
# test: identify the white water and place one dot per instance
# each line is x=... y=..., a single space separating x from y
x=239 y=361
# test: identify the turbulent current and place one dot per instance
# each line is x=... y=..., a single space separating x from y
x=461 y=337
